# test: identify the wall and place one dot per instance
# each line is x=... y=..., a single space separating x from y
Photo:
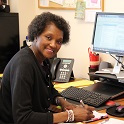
x=26 y=10
x=81 y=32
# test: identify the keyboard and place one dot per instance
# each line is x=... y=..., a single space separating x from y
x=89 y=97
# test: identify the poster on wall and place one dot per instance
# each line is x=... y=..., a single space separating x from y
x=80 y=10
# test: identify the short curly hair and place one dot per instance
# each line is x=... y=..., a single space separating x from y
x=39 y=23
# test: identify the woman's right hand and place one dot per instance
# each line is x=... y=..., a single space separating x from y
x=83 y=113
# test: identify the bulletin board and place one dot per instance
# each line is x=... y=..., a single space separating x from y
x=70 y=4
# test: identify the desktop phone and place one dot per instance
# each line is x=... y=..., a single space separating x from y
x=61 y=69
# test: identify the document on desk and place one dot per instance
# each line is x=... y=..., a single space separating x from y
x=1 y=75
x=98 y=116
x=112 y=121
x=75 y=83
x=80 y=83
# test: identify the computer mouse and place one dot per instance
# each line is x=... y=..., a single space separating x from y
x=120 y=109
x=110 y=103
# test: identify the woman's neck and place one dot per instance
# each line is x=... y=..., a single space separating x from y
x=38 y=56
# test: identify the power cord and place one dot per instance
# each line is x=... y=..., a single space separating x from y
x=117 y=61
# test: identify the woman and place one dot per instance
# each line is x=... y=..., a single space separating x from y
x=27 y=95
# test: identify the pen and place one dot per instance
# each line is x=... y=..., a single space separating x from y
x=82 y=103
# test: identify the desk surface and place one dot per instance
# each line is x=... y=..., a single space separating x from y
x=86 y=83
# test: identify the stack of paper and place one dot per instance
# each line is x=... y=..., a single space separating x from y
x=81 y=83
x=1 y=75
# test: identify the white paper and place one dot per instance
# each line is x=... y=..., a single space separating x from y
x=112 y=121
x=93 y=3
x=44 y=3
x=69 y=3
x=120 y=75
x=90 y=15
x=58 y=1
x=80 y=10
x=98 y=116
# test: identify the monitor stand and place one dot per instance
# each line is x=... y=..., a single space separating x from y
x=105 y=71
x=118 y=65
x=109 y=85
x=109 y=71
x=117 y=70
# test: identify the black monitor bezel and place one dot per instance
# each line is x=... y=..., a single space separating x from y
x=4 y=56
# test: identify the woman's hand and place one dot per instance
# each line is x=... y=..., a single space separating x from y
x=68 y=106
x=83 y=113
x=89 y=108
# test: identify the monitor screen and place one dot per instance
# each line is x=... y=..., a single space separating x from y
x=9 y=38
x=108 y=36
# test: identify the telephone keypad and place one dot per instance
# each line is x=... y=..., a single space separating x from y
x=64 y=71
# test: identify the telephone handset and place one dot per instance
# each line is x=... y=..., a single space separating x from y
x=54 y=67
x=61 y=69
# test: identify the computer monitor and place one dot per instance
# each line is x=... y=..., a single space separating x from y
x=108 y=35
x=9 y=38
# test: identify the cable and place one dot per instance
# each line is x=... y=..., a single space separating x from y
x=117 y=60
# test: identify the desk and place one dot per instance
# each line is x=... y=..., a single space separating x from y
x=77 y=83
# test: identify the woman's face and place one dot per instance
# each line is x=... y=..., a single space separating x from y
x=49 y=42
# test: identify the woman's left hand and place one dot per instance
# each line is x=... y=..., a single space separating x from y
x=68 y=106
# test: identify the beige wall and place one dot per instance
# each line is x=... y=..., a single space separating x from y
x=81 y=32
x=26 y=10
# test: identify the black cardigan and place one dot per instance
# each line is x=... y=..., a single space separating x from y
x=26 y=91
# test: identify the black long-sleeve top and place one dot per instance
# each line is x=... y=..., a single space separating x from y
x=27 y=91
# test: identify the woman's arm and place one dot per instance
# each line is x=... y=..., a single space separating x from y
x=64 y=104
x=60 y=117
x=78 y=114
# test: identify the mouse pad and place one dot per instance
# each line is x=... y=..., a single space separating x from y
x=112 y=111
